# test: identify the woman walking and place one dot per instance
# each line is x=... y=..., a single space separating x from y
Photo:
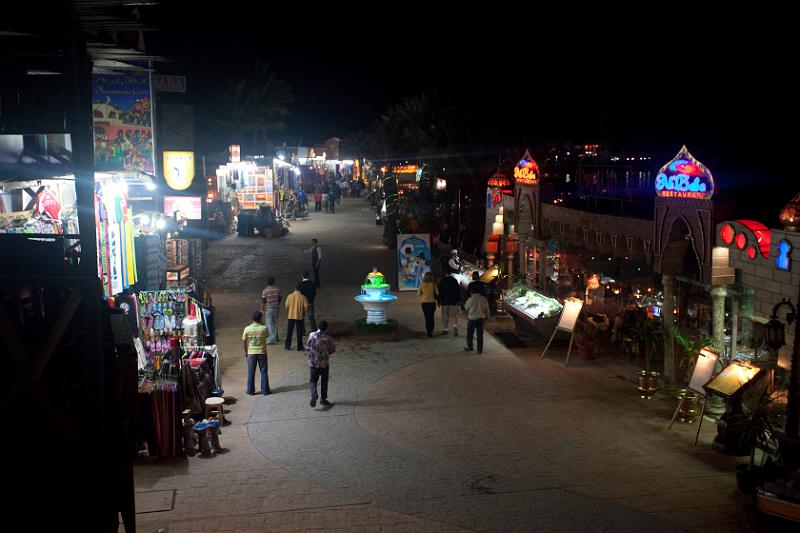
x=428 y=295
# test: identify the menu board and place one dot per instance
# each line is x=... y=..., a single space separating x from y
x=732 y=379
x=703 y=370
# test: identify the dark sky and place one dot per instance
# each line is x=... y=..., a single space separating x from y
x=728 y=97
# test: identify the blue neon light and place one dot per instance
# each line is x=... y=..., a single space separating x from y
x=783 y=261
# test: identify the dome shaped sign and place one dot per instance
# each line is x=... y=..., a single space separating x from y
x=527 y=171
x=685 y=177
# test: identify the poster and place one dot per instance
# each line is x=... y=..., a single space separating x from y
x=123 y=122
x=190 y=207
x=413 y=260
x=703 y=371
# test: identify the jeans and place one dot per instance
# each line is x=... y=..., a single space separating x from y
x=261 y=360
x=320 y=374
x=312 y=321
x=299 y=324
x=318 y=206
x=272 y=323
x=472 y=327
x=450 y=314
x=316 y=275
x=429 y=310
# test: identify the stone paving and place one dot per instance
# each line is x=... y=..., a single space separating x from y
x=423 y=436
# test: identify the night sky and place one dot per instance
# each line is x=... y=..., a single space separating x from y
x=729 y=99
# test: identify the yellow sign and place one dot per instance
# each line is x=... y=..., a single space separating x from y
x=179 y=169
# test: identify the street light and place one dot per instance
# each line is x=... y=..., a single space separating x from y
x=775 y=339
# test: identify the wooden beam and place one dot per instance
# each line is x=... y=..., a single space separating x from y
x=56 y=332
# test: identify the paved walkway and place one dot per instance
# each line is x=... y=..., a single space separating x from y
x=423 y=436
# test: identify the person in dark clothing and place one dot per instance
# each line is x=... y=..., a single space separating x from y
x=309 y=290
x=476 y=285
x=449 y=301
x=336 y=192
x=316 y=259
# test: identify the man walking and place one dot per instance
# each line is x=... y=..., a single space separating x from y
x=477 y=308
x=316 y=260
x=449 y=300
x=320 y=347
x=296 y=307
x=271 y=306
x=309 y=290
x=254 y=340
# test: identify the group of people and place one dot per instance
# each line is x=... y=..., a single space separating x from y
x=327 y=196
x=447 y=295
x=299 y=308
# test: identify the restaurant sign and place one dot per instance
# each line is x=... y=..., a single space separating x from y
x=685 y=177
x=527 y=171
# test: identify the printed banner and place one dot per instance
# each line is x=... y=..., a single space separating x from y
x=413 y=260
x=123 y=122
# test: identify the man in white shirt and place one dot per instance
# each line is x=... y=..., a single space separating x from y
x=455 y=262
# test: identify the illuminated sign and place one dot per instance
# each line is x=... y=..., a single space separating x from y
x=527 y=171
x=188 y=206
x=685 y=177
x=407 y=173
x=179 y=169
x=783 y=261
x=236 y=153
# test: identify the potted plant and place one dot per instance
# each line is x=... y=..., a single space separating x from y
x=648 y=337
x=759 y=422
x=690 y=407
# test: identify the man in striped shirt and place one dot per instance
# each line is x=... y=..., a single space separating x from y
x=271 y=306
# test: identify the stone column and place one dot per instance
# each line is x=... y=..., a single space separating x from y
x=668 y=319
x=718 y=295
x=748 y=298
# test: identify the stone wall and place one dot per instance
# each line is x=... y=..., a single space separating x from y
x=768 y=283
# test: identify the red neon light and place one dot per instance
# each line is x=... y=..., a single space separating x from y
x=751 y=253
x=762 y=234
x=741 y=241
x=727 y=233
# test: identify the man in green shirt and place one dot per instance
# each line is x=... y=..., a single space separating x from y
x=254 y=339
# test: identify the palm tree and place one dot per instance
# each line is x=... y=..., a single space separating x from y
x=253 y=104
x=423 y=122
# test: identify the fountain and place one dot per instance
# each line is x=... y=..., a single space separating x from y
x=375 y=297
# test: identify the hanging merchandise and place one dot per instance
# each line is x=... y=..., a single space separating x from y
x=163 y=316
x=115 y=244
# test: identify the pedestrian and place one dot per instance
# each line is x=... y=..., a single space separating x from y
x=476 y=284
x=428 y=294
x=254 y=340
x=271 y=306
x=317 y=200
x=320 y=347
x=326 y=201
x=301 y=198
x=282 y=198
x=449 y=301
x=334 y=196
x=316 y=260
x=296 y=307
x=337 y=190
x=477 y=308
x=309 y=290
x=455 y=262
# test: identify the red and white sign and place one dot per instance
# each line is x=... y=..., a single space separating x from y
x=189 y=206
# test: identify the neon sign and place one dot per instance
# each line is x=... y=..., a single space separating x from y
x=685 y=177
x=783 y=261
x=527 y=171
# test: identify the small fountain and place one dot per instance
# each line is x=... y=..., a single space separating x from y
x=375 y=297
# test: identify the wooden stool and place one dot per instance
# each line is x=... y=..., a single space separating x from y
x=215 y=404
